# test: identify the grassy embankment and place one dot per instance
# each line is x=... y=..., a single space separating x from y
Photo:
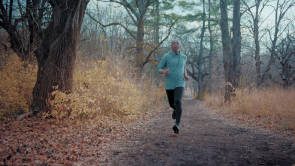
x=271 y=107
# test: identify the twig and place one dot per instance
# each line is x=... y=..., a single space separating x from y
x=153 y=50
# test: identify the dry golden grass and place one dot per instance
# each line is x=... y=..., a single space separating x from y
x=16 y=84
x=272 y=106
x=100 y=88
x=106 y=87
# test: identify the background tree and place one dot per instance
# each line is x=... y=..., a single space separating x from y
x=286 y=58
x=236 y=42
x=137 y=11
x=99 y=42
x=200 y=58
x=280 y=9
x=211 y=38
x=231 y=48
x=255 y=29
x=227 y=50
x=200 y=62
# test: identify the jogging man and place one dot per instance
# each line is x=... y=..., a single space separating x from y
x=173 y=66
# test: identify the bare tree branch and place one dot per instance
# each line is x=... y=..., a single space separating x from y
x=191 y=74
x=127 y=7
x=160 y=43
x=111 y=24
x=248 y=9
x=265 y=3
x=280 y=11
x=131 y=16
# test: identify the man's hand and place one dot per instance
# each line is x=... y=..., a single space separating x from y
x=165 y=71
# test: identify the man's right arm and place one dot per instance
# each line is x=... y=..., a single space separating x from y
x=162 y=65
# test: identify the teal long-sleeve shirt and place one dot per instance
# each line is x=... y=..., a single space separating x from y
x=176 y=65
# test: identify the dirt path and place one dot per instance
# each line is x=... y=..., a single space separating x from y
x=204 y=139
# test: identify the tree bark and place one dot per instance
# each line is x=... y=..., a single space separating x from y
x=211 y=48
x=257 y=43
x=227 y=51
x=286 y=75
x=57 y=54
x=200 y=58
x=139 y=43
x=157 y=28
x=236 y=43
x=285 y=55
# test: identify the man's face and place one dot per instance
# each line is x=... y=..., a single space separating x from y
x=175 y=46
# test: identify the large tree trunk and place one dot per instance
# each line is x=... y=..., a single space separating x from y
x=280 y=12
x=286 y=75
x=157 y=25
x=271 y=61
x=257 y=44
x=157 y=28
x=201 y=88
x=211 y=48
x=227 y=51
x=57 y=54
x=139 y=44
x=236 y=43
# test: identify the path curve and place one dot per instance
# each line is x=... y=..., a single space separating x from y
x=204 y=139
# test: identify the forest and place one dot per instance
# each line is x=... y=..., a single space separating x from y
x=80 y=82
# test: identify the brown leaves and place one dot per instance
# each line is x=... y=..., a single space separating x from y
x=34 y=141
